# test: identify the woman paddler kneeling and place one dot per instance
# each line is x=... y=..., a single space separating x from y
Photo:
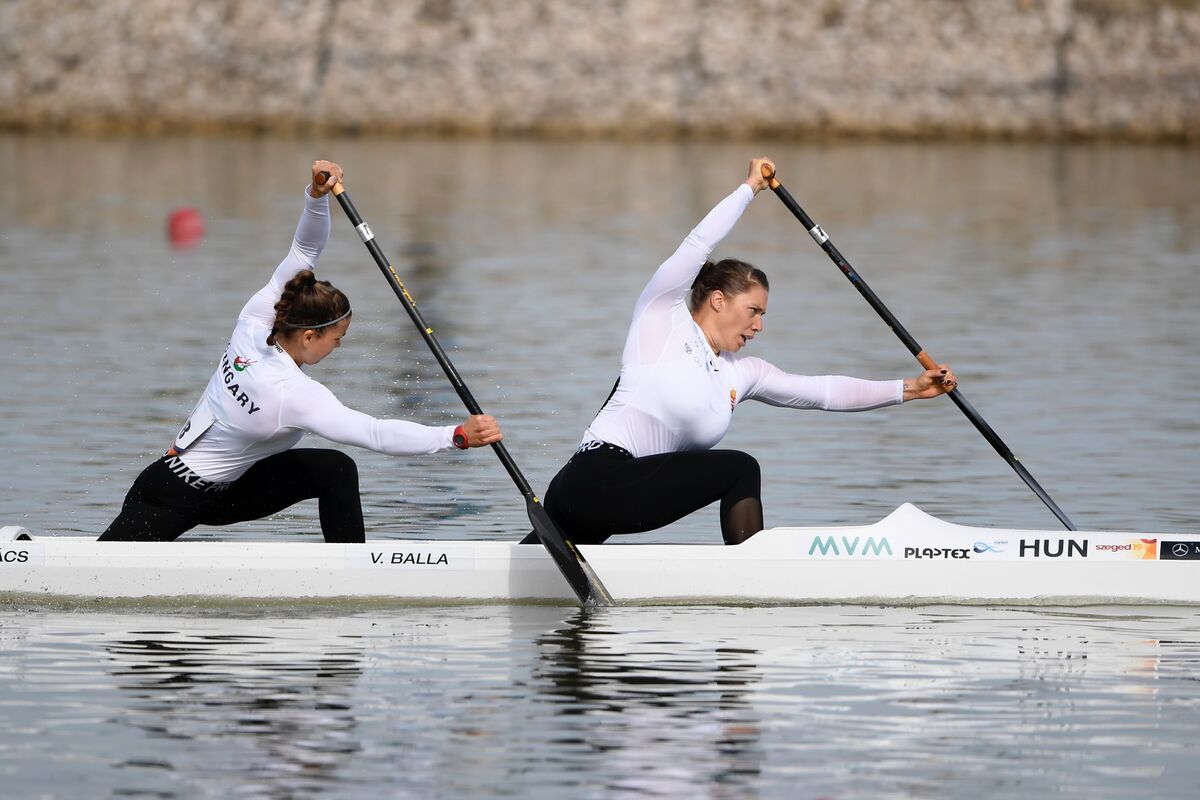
x=645 y=460
x=234 y=459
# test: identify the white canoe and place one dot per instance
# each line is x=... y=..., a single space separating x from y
x=907 y=558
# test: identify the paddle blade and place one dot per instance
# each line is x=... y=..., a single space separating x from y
x=570 y=561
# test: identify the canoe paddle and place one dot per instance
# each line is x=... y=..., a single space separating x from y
x=926 y=361
x=574 y=567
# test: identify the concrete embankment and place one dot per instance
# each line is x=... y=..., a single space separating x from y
x=909 y=68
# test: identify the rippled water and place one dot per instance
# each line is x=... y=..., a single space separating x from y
x=547 y=702
x=1062 y=282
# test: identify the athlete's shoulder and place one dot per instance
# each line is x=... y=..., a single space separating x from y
x=300 y=388
x=746 y=361
x=750 y=370
x=252 y=323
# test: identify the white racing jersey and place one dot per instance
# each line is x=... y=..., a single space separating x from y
x=675 y=394
x=259 y=402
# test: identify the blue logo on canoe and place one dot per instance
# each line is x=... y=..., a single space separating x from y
x=850 y=545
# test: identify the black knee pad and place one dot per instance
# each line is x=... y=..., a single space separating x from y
x=744 y=464
x=338 y=461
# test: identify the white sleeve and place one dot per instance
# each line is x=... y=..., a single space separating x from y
x=768 y=384
x=312 y=232
x=314 y=409
x=673 y=279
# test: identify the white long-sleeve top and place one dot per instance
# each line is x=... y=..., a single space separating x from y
x=259 y=402
x=674 y=394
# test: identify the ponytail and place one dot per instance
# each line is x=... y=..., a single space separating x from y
x=308 y=304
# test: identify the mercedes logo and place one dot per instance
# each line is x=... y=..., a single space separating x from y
x=1180 y=549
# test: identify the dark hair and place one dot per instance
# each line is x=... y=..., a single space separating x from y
x=729 y=275
x=307 y=303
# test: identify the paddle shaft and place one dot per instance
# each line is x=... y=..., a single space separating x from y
x=364 y=232
x=584 y=581
x=926 y=361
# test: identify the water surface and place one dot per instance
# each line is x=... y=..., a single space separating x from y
x=549 y=702
x=1062 y=282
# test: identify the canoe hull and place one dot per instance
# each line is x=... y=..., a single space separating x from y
x=908 y=558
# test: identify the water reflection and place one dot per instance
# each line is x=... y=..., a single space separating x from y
x=547 y=702
x=668 y=718
x=281 y=716
x=876 y=702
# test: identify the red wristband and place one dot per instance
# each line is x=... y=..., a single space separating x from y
x=460 y=438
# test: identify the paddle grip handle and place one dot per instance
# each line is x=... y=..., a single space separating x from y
x=769 y=174
x=337 y=189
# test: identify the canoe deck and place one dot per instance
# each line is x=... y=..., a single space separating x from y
x=908 y=558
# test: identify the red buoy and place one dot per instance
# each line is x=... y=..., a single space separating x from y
x=185 y=227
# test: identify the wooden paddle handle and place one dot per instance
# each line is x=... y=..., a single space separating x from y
x=337 y=188
x=769 y=174
x=927 y=360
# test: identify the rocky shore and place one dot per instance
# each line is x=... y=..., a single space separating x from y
x=1125 y=69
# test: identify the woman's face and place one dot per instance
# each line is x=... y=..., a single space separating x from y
x=738 y=317
x=320 y=343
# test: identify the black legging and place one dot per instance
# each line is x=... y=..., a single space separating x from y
x=603 y=491
x=161 y=505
